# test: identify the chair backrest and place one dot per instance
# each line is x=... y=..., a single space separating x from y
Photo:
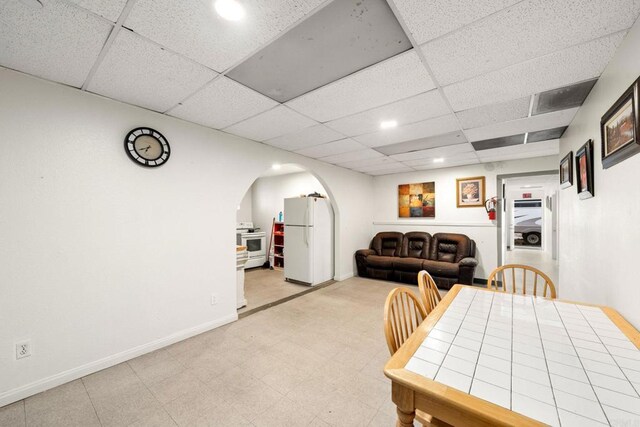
x=403 y=312
x=428 y=291
x=387 y=243
x=512 y=276
x=451 y=247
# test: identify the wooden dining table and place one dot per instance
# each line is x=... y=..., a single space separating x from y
x=490 y=358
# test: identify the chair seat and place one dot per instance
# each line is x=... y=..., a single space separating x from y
x=441 y=268
x=377 y=261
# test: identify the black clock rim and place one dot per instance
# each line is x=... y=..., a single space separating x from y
x=162 y=158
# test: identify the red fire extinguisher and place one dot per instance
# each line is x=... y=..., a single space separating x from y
x=490 y=206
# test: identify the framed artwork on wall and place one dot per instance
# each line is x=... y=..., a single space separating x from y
x=417 y=200
x=584 y=170
x=619 y=129
x=566 y=171
x=470 y=192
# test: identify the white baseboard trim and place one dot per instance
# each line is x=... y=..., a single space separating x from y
x=344 y=277
x=35 y=387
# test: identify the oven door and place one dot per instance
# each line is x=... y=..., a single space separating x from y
x=254 y=244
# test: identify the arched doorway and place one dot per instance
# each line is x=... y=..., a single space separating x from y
x=280 y=265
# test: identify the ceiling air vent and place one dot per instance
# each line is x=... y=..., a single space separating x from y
x=561 y=98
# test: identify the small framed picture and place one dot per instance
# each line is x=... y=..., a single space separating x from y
x=566 y=171
x=619 y=129
x=470 y=192
x=584 y=170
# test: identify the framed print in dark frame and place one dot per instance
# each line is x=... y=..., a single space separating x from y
x=584 y=170
x=566 y=171
x=619 y=129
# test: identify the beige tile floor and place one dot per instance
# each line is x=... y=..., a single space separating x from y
x=316 y=360
x=264 y=286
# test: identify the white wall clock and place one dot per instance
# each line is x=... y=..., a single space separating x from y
x=147 y=147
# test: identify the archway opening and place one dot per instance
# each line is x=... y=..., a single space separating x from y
x=286 y=222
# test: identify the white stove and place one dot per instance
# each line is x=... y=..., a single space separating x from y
x=255 y=241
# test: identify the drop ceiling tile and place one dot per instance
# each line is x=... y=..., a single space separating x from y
x=529 y=124
x=428 y=20
x=271 y=124
x=417 y=108
x=222 y=103
x=521 y=151
x=368 y=162
x=446 y=151
x=524 y=31
x=451 y=138
x=193 y=28
x=308 y=137
x=496 y=113
x=109 y=9
x=331 y=148
x=562 y=98
x=385 y=82
x=413 y=131
x=383 y=167
x=352 y=156
x=399 y=169
x=448 y=164
x=447 y=159
x=59 y=42
x=557 y=69
x=141 y=73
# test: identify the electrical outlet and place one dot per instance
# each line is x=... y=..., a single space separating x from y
x=23 y=349
x=214 y=299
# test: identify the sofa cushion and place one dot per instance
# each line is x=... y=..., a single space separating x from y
x=450 y=247
x=407 y=264
x=416 y=244
x=441 y=268
x=387 y=243
x=377 y=261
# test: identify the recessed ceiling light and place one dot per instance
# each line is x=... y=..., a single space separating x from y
x=277 y=166
x=438 y=160
x=388 y=124
x=231 y=10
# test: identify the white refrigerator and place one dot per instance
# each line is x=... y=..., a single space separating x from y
x=308 y=240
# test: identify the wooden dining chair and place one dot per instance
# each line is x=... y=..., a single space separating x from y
x=429 y=293
x=514 y=277
x=403 y=313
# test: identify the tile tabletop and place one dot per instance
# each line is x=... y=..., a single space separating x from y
x=559 y=363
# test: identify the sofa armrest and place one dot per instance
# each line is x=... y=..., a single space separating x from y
x=467 y=270
x=365 y=252
x=468 y=262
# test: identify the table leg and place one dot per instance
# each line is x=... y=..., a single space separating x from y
x=404 y=400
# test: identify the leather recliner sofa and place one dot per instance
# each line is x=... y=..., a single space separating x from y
x=448 y=257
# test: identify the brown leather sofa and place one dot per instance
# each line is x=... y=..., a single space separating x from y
x=448 y=257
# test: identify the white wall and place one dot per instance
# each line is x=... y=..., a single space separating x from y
x=599 y=237
x=101 y=259
x=470 y=221
x=245 y=208
x=269 y=194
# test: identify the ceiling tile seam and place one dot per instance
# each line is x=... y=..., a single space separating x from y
x=276 y=37
x=95 y=15
x=108 y=42
x=423 y=59
x=403 y=125
x=380 y=106
x=191 y=95
x=332 y=142
x=538 y=57
x=477 y=21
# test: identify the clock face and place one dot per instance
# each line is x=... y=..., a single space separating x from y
x=147 y=147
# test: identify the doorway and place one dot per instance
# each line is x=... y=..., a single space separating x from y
x=263 y=210
x=527 y=221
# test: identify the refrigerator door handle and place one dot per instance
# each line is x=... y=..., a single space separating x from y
x=306 y=226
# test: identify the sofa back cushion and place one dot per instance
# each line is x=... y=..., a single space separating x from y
x=387 y=243
x=416 y=244
x=451 y=247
